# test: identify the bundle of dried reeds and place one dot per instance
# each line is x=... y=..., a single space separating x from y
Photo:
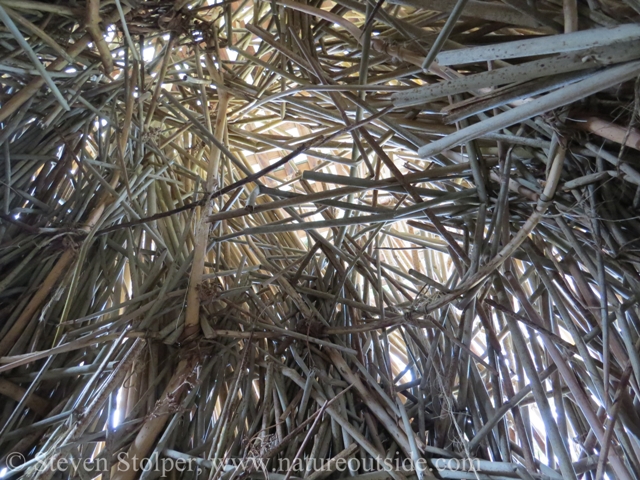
x=316 y=233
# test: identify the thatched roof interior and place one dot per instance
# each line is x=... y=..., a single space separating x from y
x=324 y=230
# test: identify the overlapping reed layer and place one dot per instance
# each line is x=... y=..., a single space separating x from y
x=320 y=230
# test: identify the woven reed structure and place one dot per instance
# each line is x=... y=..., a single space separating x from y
x=319 y=239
